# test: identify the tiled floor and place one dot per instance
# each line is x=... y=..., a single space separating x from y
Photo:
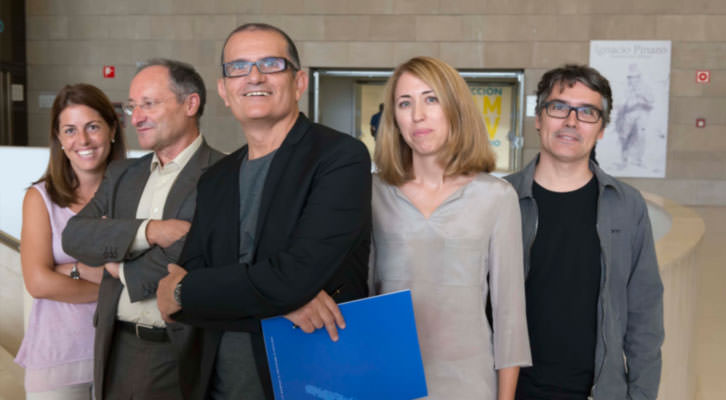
x=710 y=335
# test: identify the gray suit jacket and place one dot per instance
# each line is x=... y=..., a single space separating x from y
x=94 y=241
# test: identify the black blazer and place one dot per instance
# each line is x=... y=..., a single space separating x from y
x=313 y=233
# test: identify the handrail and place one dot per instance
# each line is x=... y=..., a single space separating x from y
x=9 y=240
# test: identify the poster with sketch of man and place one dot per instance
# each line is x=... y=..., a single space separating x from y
x=634 y=144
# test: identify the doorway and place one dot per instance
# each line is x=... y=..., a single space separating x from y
x=345 y=99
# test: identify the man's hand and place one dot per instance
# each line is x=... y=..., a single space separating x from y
x=320 y=311
x=112 y=268
x=165 y=232
x=165 y=292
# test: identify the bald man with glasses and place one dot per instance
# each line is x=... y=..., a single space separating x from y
x=282 y=225
x=135 y=225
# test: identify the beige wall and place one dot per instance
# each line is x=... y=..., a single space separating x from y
x=70 y=41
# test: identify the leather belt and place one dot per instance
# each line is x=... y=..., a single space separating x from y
x=144 y=331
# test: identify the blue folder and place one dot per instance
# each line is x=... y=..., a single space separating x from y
x=377 y=355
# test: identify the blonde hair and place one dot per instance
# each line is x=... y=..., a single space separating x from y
x=466 y=151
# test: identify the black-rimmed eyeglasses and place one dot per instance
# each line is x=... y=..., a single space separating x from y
x=267 y=65
x=561 y=110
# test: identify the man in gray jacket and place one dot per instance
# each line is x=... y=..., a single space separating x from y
x=135 y=225
x=594 y=294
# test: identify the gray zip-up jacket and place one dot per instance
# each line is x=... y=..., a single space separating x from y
x=630 y=304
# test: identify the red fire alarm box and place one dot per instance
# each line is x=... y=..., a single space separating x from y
x=109 y=71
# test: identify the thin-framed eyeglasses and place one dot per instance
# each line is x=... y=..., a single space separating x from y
x=267 y=65
x=146 y=105
x=561 y=110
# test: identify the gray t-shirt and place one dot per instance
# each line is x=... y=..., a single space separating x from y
x=252 y=176
x=235 y=375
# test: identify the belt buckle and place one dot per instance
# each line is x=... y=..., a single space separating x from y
x=139 y=324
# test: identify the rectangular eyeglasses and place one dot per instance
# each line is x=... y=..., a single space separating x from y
x=267 y=65
x=561 y=110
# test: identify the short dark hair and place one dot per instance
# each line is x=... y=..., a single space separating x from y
x=60 y=179
x=292 y=53
x=183 y=81
x=569 y=75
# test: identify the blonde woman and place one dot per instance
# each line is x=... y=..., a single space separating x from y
x=449 y=231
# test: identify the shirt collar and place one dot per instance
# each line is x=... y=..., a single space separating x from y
x=180 y=160
x=525 y=188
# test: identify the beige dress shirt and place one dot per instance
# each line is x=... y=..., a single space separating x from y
x=151 y=206
x=445 y=260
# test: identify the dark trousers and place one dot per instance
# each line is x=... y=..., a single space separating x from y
x=141 y=370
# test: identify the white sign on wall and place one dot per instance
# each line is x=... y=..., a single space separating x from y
x=635 y=141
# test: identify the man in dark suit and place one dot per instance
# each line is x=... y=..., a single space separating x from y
x=282 y=225
x=135 y=225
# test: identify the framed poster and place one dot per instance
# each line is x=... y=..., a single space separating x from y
x=635 y=141
x=495 y=103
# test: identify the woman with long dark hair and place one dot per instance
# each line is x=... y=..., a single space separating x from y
x=57 y=350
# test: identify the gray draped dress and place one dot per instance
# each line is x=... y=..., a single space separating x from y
x=445 y=260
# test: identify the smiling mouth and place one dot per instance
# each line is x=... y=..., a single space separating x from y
x=257 y=93
x=85 y=153
x=569 y=137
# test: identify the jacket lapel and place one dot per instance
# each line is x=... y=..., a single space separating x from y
x=186 y=181
x=226 y=201
x=278 y=168
x=130 y=189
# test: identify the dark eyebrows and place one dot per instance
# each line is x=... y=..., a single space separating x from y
x=580 y=105
x=259 y=59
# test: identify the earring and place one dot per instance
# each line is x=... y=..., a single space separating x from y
x=63 y=148
x=113 y=140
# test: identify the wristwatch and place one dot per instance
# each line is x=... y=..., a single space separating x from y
x=177 y=293
x=74 y=272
